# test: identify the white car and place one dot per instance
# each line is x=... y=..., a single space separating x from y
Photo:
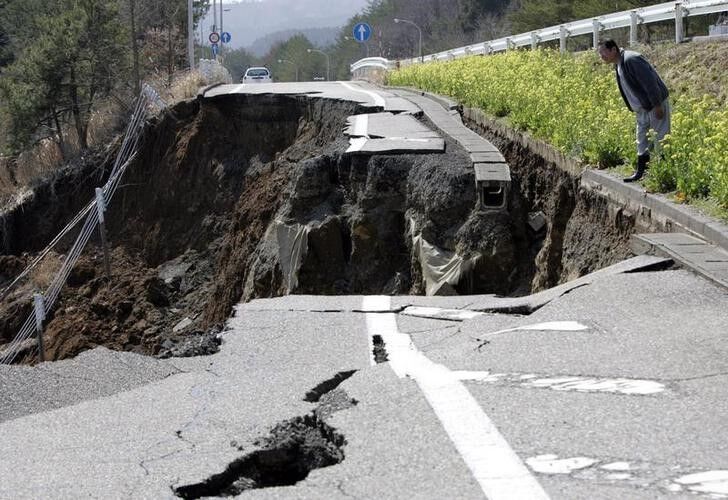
x=257 y=75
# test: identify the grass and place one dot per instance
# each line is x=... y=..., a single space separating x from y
x=571 y=102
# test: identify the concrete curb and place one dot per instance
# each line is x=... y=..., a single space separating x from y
x=445 y=102
x=678 y=216
x=683 y=216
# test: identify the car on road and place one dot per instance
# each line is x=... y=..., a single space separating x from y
x=257 y=75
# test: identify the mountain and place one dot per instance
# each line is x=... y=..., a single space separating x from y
x=319 y=37
x=248 y=21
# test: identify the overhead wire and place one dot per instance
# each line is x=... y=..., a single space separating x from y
x=124 y=158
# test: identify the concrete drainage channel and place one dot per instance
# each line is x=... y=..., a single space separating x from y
x=270 y=206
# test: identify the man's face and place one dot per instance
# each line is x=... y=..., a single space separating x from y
x=609 y=55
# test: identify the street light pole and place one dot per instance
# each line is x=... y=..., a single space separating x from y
x=281 y=61
x=328 y=62
x=396 y=20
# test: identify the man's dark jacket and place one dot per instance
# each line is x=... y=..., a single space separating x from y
x=642 y=79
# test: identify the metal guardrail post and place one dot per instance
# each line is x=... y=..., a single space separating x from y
x=679 y=29
x=100 y=209
x=633 y=21
x=534 y=40
x=562 y=38
x=596 y=31
x=40 y=316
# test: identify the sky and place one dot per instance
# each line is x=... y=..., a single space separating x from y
x=248 y=20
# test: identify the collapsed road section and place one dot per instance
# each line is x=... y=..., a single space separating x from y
x=253 y=191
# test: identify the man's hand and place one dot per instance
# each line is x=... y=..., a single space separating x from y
x=659 y=112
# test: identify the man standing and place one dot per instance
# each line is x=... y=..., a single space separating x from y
x=644 y=93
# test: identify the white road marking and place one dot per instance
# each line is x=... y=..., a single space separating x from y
x=616 y=466
x=619 y=476
x=378 y=100
x=714 y=481
x=356 y=143
x=578 y=384
x=551 y=464
x=499 y=471
x=617 y=385
x=438 y=313
x=561 y=326
x=361 y=125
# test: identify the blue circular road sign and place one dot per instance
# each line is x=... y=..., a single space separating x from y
x=225 y=37
x=362 y=32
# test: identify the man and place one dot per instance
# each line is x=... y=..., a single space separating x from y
x=644 y=93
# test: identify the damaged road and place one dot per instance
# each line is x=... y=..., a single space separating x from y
x=586 y=396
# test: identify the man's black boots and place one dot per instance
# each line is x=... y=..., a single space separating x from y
x=642 y=161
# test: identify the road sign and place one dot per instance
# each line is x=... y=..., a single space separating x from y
x=215 y=49
x=362 y=32
x=214 y=37
x=225 y=37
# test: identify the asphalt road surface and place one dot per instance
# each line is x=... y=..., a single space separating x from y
x=613 y=387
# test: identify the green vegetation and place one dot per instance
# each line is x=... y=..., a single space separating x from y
x=81 y=53
x=572 y=102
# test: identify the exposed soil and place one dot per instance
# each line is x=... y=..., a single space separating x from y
x=196 y=226
x=287 y=455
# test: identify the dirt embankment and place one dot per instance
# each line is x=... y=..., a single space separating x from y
x=222 y=192
x=585 y=231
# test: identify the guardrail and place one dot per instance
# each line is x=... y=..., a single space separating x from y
x=626 y=19
x=93 y=213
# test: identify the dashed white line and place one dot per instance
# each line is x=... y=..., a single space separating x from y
x=378 y=100
x=499 y=471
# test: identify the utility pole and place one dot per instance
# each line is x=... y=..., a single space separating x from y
x=214 y=16
x=190 y=35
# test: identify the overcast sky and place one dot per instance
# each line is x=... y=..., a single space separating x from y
x=249 y=20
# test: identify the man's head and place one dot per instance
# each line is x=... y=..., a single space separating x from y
x=608 y=51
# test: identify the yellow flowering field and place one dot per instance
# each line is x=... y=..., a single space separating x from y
x=572 y=102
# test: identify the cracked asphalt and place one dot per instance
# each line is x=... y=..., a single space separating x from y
x=118 y=425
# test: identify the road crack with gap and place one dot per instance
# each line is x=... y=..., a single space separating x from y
x=286 y=456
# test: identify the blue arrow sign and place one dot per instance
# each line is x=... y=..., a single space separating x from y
x=225 y=37
x=362 y=32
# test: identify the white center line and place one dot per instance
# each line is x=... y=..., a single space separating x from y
x=361 y=125
x=378 y=100
x=497 y=468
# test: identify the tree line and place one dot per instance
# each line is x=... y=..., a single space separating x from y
x=59 y=58
x=444 y=24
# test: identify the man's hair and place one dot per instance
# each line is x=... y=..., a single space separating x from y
x=608 y=44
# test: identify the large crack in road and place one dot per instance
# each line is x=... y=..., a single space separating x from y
x=241 y=196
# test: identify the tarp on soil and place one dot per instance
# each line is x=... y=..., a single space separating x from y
x=440 y=267
x=292 y=247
